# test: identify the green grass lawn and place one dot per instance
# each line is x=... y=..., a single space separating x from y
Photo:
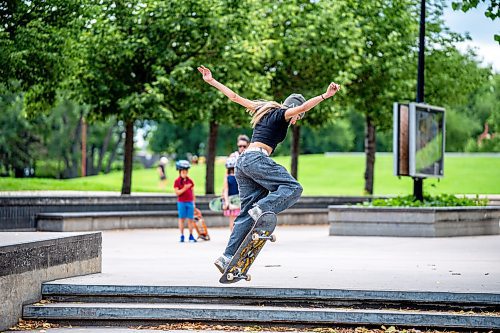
x=319 y=175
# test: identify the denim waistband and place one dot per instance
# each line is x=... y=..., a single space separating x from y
x=262 y=150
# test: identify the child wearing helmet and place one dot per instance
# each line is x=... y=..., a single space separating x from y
x=183 y=187
x=230 y=188
x=264 y=185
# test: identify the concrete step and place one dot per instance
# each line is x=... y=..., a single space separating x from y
x=112 y=220
x=27 y=259
x=270 y=296
x=104 y=313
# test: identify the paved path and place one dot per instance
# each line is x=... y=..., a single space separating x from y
x=305 y=257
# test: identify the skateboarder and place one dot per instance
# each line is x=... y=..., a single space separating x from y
x=264 y=185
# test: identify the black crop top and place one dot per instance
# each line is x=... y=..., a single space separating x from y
x=271 y=129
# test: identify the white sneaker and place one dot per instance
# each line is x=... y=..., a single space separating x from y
x=255 y=212
x=222 y=262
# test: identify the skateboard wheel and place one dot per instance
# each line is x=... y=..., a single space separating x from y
x=249 y=277
x=230 y=276
x=255 y=236
x=273 y=238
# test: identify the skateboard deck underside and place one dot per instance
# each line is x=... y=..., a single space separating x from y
x=216 y=204
x=200 y=225
x=249 y=249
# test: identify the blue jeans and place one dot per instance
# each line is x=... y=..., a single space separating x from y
x=262 y=182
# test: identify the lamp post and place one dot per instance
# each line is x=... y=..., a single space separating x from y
x=417 y=181
x=84 y=148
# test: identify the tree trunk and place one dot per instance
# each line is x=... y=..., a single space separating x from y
x=74 y=158
x=84 y=148
x=128 y=157
x=113 y=153
x=91 y=170
x=104 y=147
x=212 y=141
x=295 y=150
x=370 y=148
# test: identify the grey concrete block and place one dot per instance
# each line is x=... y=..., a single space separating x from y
x=18 y=211
x=25 y=265
x=414 y=222
x=92 y=221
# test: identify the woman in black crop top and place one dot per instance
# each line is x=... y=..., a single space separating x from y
x=264 y=185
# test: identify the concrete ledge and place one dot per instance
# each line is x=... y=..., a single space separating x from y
x=29 y=259
x=90 y=221
x=18 y=210
x=413 y=222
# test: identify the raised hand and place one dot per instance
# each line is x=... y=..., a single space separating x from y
x=207 y=75
x=332 y=90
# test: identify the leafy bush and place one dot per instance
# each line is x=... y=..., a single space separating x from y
x=441 y=200
x=489 y=145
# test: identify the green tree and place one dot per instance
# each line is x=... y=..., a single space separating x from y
x=171 y=139
x=17 y=141
x=237 y=60
x=104 y=136
x=127 y=52
x=60 y=136
x=492 y=9
x=315 y=43
x=453 y=80
x=388 y=68
x=32 y=35
x=484 y=114
x=389 y=35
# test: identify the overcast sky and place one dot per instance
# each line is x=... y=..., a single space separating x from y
x=481 y=29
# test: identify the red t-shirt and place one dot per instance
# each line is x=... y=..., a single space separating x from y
x=187 y=196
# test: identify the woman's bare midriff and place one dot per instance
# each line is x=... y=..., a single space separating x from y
x=261 y=145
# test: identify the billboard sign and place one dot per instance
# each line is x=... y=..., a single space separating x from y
x=419 y=140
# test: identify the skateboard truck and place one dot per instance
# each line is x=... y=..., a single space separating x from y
x=256 y=236
x=239 y=276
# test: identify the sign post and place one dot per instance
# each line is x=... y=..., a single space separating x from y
x=418 y=183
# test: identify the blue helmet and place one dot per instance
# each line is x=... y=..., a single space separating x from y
x=182 y=165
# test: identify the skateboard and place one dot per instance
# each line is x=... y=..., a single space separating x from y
x=217 y=203
x=239 y=265
x=202 y=229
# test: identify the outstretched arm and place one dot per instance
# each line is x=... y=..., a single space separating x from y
x=309 y=104
x=207 y=77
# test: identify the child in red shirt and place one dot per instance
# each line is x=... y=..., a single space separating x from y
x=183 y=187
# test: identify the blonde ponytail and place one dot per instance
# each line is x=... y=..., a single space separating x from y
x=260 y=109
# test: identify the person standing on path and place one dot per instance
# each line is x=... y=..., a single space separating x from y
x=264 y=185
x=230 y=188
x=242 y=142
x=183 y=187
x=162 y=172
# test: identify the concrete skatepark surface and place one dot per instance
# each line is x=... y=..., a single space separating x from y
x=304 y=257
